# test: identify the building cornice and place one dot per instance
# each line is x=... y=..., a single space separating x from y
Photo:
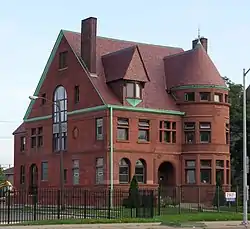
x=115 y=107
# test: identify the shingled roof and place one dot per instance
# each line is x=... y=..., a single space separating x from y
x=191 y=67
x=152 y=56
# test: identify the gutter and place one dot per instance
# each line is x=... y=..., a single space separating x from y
x=111 y=157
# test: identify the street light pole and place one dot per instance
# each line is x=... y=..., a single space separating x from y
x=57 y=104
x=245 y=187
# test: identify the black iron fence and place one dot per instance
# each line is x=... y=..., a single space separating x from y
x=76 y=203
x=79 y=203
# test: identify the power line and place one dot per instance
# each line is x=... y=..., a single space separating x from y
x=4 y=121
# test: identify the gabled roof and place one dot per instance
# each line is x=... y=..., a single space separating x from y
x=125 y=64
x=9 y=171
x=191 y=67
x=155 y=95
x=20 y=129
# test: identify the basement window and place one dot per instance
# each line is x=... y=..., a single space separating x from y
x=190 y=96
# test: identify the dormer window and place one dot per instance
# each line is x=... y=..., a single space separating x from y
x=133 y=90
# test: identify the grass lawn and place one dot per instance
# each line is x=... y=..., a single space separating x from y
x=171 y=219
x=199 y=217
x=89 y=221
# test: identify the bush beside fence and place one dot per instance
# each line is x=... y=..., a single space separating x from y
x=79 y=203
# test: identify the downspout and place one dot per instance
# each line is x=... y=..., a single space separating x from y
x=111 y=157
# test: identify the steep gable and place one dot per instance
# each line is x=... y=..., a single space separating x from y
x=52 y=73
x=125 y=64
x=116 y=64
x=137 y=70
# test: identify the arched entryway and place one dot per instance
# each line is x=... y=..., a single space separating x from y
x=166 y=174
x=33 y=178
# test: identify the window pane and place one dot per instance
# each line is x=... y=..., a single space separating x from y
x=190 y=164
x=189 y=137
x=190 y=176
x=143 y=135
x=122 y=133
x=137 y=91
x=75 y=176
x=206 y=163
x=130 y=90
x=205 y=136
x=205 y=176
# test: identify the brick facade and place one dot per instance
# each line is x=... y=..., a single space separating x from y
x=83 y=145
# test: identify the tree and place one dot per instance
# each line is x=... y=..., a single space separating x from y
x=219 y=197
x=133 y=200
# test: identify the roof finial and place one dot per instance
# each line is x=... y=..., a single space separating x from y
x=199 y=32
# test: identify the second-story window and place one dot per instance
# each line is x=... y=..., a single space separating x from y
x=40 y=137
x=143 y=128
x=37 y=137
x=189 y=132
x=133 y=90
x=189 y=96
x=77 y=94
x=60 y=115
x=205 y=132
x=167 y=131
x=122 y=129
x=23 y=143
x=63 y=60
x=227 y=133
x=218 y=97
x=205 y=96
x=99 y=129
x=33 y=138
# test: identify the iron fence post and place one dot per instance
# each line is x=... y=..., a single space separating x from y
x=198 y=199
x=58 y=204
x=159 y=201
x=34 y=200
x=85 y=204
x=152 y=203
x=8 y=206
x=109 y=204
x=180 y=187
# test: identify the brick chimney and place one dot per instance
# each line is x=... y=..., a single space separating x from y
x=88 y=43
x=203 y=41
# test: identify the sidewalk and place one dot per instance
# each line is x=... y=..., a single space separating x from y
x=206 y=225
x=93 y=226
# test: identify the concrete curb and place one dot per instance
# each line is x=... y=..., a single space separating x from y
x=87 y=226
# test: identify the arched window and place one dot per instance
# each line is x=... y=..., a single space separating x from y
x=140 y=171
x=60 y=99
x=124 y=171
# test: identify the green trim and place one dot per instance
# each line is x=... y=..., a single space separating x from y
x=134 y=102
x=196 y=86
x=86 y=110
x=38 y=118
x=45 y=71
x=146 y=110
x=115 y=107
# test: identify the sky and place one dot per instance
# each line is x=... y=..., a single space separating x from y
x=29 y=30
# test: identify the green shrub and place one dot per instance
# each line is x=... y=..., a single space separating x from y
x=219 y=197
x=133 y=200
